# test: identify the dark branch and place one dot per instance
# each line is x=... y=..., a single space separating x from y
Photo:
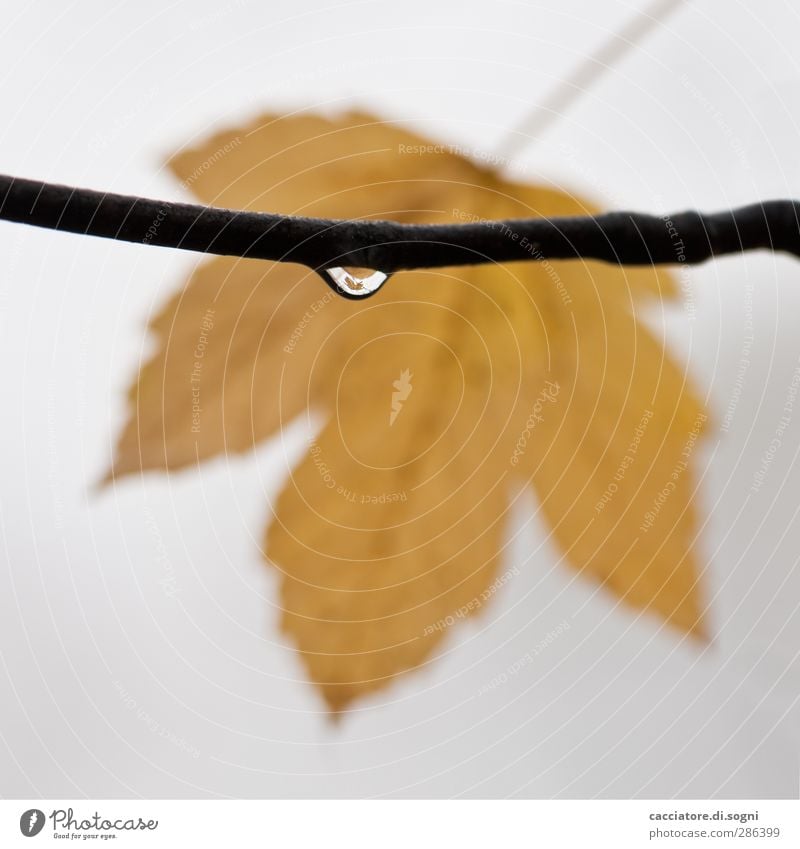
x=625 y=238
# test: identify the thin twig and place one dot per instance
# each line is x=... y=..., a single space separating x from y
x=624 y=238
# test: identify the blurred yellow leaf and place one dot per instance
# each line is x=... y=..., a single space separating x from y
x=444 y=397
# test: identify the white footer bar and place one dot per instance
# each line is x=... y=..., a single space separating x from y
x=401 y=824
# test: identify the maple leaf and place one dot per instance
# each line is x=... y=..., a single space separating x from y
x=392 y=528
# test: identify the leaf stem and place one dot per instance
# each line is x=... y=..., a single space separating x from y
x=584 y=76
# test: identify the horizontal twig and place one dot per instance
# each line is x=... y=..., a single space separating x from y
x=625 y=238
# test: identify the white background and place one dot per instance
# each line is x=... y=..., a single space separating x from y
x=101 y=672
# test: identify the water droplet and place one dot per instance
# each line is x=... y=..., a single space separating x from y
x=354 y=282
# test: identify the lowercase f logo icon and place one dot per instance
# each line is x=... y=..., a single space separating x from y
x=31 y=822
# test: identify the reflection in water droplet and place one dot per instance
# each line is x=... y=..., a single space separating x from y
x=354 y=282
